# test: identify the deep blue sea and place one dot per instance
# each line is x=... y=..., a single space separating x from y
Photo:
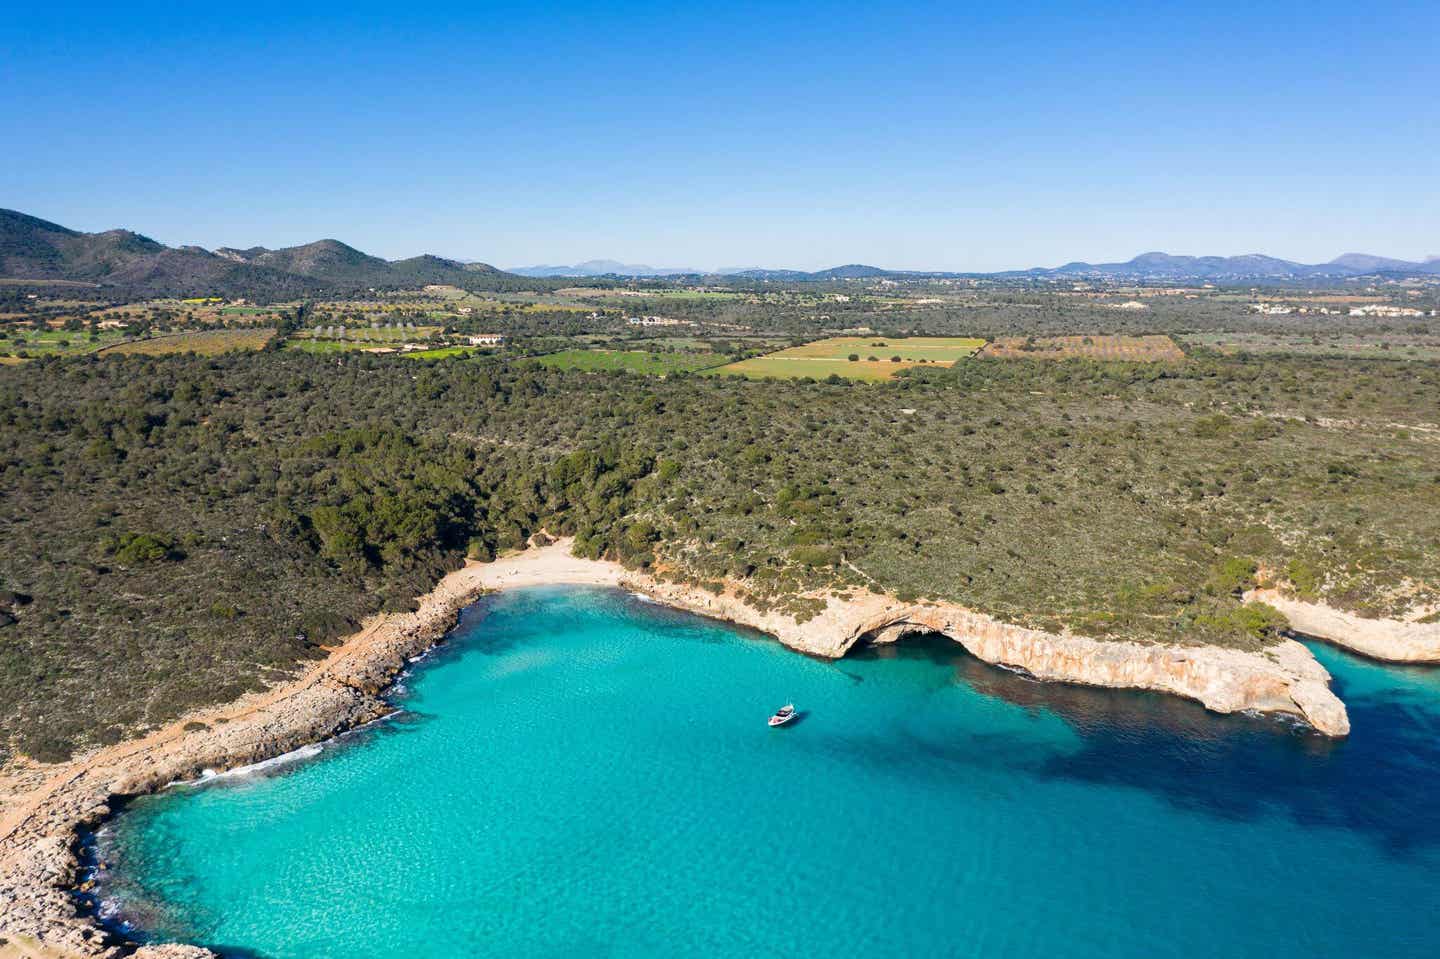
x=580 y=773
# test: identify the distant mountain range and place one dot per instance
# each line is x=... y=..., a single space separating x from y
x=35 y=249
x=1254 y=266
x=605 y=268
x=592 y=268
x=1146 y=266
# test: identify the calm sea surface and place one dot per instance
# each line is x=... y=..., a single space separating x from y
x=582 y=774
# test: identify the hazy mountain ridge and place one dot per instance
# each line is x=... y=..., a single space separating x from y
x=36 y=249
x=606 y=268
x=1158 y=265
x=1146 y=266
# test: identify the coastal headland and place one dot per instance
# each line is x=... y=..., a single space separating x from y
x=47 y=806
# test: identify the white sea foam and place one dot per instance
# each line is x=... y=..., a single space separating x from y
x=294 y=755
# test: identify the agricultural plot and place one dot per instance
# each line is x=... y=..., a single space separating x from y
x=341 y=339
x=444 y=352
x=367 y=335
x=32 y=344
x=1366 y=346
x=329 y=346
x=452 y=298
x=204 y=342
x=635 y=361
x=870 y=358
x=1139 y=349
x=602 y=293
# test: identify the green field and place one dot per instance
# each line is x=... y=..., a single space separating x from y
x=329 y=346
x=876 y=357
x=370 y=336
x=55 y=342
x=360 y=338
x=444 y=352
x=635 y=361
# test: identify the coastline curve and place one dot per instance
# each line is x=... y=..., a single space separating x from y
x=39 y=866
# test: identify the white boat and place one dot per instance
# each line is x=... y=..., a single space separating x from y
x=783 y=715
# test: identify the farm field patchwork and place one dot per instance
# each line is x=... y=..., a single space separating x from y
x=37 y=343
x=205 y=342
x=1094 y=347
x=1369 y=346
x=344 y=339
x=598 y=293
x=636 y=361
x=876 y=357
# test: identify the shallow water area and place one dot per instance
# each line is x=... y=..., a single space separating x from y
x=580 y=773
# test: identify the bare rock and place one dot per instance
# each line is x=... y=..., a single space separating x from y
x=1391 y=640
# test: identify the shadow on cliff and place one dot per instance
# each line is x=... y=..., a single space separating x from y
x=1378 y=782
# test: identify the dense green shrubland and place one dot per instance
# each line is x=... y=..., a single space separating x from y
x=180 y=529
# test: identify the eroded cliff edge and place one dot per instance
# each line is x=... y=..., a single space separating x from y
x=1285 y=678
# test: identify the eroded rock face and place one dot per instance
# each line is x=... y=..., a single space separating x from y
x=1392 y=640
x=1284 y=679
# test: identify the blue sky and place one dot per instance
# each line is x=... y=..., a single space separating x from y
x=936 y=136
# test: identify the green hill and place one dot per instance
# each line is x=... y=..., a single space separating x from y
x=36 y=249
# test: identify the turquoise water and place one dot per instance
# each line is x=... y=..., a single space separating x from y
x=582 y=774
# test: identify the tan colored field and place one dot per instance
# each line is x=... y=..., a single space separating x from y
x=205 y=342
x=877 y=357
x=1141 y=349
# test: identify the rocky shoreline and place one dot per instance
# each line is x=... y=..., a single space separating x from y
x=1285 y=678
x=39 y=867
x=1388 y=640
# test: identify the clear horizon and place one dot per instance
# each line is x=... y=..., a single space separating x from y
x=804 y=137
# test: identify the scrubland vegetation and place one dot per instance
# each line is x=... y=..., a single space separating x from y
x=181 y=528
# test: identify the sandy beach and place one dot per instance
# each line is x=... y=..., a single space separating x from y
x=44 y=805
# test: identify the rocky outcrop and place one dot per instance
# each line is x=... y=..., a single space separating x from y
x=1391 y=640
x=1283 y=679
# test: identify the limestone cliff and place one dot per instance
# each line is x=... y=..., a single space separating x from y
x=1284 y=679
x=1392 y=640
